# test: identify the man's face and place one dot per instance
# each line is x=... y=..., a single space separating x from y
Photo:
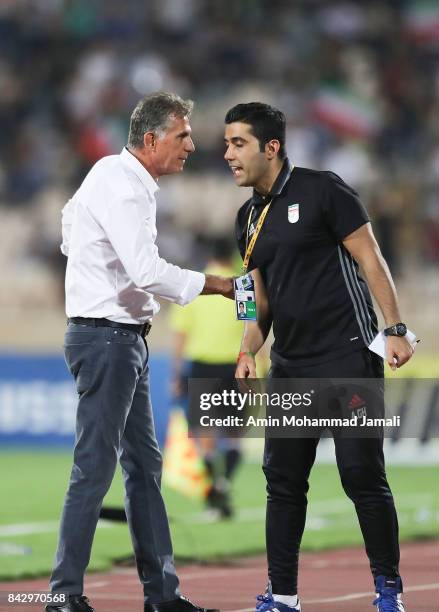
x=172 y=150
x=243 y=155
x=241 y=308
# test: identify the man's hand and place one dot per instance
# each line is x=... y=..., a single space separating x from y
x=219 y=285
x=398 y=351
x=246 y=367
x=245 y=370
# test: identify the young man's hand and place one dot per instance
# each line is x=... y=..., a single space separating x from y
x=245 y=371
x=398 y=351
x=246 y=367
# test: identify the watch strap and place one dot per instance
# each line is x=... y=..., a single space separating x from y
x=399 y=329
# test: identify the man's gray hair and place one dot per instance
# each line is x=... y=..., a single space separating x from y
x=153 y=114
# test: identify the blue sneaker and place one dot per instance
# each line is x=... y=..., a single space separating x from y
x=388 y=591
x=266 y=603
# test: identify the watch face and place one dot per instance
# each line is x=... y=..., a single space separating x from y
x=401 y=329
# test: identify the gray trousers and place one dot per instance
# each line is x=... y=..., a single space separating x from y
x=114 y=420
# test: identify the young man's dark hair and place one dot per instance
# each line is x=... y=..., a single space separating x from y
x=267 y=122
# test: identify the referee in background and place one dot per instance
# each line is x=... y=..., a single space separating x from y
x=304 y=234
x=206 y=341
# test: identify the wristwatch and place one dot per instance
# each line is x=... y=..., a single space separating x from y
x=399 y=329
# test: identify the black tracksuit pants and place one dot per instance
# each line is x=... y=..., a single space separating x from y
x=360 y=461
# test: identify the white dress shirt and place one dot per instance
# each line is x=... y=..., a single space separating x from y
x=109 y=230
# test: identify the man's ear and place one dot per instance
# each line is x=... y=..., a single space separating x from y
x=272 y=148
x=149 y=140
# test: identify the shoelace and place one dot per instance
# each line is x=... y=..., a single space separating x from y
x=387 y=602
x=265 y=602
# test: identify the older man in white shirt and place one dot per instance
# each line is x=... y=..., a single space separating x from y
x=113 y=274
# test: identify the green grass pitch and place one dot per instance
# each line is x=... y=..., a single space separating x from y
x=33 y=486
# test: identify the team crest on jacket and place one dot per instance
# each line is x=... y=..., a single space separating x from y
x=293 y=213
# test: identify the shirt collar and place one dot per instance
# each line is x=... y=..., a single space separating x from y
x=134 y=164
x=278 y=185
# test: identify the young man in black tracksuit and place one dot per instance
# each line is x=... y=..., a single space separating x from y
x=312 y=235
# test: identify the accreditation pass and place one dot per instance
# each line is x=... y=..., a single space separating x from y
x=245 y=298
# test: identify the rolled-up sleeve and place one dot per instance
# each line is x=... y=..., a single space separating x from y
x=130 y=229
x=193 y=287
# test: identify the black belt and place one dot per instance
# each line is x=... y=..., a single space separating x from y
x=143 y=329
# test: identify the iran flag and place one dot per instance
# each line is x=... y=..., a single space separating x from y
x=422 y=21
x=346 y=113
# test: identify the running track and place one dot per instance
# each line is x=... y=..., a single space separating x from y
x=333 y=581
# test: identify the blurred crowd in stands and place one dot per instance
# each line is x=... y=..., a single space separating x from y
x=358 y=81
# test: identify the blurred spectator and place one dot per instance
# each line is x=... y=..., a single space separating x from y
x=359 y=83
x=387 y=209
x=432 y=229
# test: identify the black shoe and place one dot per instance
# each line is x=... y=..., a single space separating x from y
x=219 y=499
x=76 y=603
x=182 y=604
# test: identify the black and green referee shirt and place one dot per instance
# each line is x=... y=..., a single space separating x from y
x=320 y=304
